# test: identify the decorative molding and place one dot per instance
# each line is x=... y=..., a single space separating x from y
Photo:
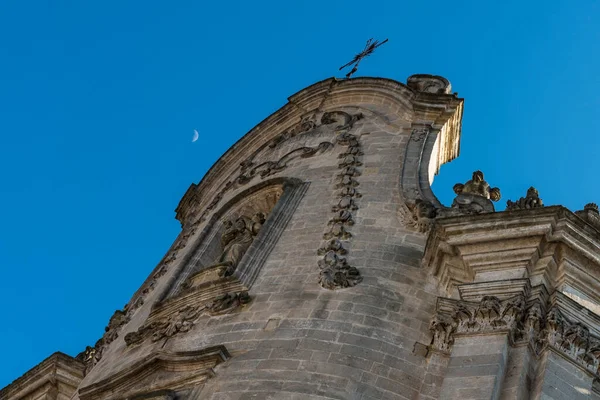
x=58 y=375
x=335 y=272
x=268 y=168
x=92 y=355
x=158 y=376
x=549 y=245
x=426 y=83
x=573 y=338
x=183 y=319
x=251 y=167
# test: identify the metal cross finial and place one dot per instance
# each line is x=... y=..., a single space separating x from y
x=369 y=48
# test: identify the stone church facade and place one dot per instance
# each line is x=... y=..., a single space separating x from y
x=314 y=262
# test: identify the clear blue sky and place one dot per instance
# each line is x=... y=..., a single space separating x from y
x=98 y=102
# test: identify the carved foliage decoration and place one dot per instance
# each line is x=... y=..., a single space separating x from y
x=573 y=339
x=335 y=272
x=183 y=319
x=489 y=315
x=91 y=355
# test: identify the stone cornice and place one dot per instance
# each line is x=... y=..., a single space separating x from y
x=550 y=245
x=161 y=370
x=58 y=367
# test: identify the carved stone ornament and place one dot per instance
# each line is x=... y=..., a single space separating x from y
x=572 y=339
x=531 y=200
x=92 y=355
x=475 y=196
x=489 y=315
x=306 y=124
x=429 y=84
x=161 y=375
x=590 y=214
x=269 y=168
x=335 y=272
x=419 y=215
x=183 y=320
x=253 y=167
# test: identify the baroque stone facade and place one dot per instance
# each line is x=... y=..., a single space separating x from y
x=314 y=262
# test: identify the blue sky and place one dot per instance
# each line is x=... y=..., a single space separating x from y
x=98 y=102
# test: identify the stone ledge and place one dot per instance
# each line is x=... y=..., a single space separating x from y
x=59 y=367
x=160 y=371
x=550 y=246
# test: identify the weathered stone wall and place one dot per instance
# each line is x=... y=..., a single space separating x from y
x=297 y=339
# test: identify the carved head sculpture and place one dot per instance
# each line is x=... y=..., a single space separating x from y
x=259 y=217
x=240 y=224
x=477 y=176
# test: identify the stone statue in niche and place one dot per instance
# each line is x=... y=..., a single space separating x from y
x=475 y=196
x=236 y=239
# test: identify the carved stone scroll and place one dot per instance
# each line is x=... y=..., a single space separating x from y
x=256 y=166
x=184 y=319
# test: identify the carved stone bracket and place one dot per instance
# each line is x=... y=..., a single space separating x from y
x=335 y=272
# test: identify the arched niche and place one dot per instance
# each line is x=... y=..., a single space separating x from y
x=276 y=200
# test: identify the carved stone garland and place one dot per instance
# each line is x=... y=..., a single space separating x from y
x=573 y=339
x=335 y=272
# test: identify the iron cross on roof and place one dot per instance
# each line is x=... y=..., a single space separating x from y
x=367 y=51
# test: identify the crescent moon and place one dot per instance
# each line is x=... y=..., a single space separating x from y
x=196 y=135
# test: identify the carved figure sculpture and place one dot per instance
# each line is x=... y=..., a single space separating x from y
x=236 y=240
x=475 y=196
